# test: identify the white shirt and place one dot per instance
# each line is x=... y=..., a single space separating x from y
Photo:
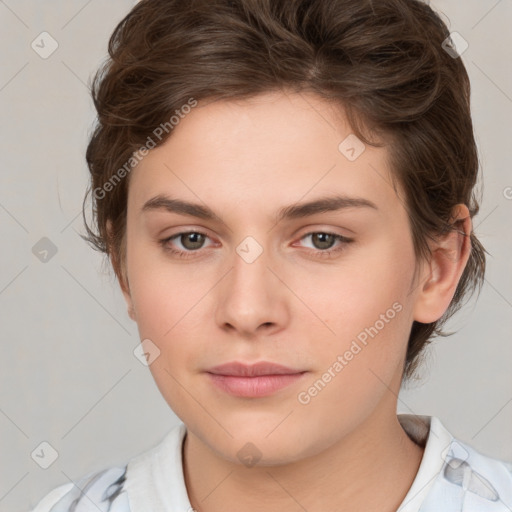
x=452 y=477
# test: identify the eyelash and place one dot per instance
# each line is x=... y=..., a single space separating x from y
x=328 y=253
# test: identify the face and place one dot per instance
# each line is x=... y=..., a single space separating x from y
x=253 y=275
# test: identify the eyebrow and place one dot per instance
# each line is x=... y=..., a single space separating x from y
x=295 y=211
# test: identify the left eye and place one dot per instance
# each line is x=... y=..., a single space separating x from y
x=324 y=241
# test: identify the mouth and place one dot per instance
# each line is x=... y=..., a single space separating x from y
x=252 y=381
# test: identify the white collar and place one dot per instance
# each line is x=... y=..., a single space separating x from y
x=430 y=433
x=155 y=480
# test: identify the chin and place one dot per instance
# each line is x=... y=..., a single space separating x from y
x=250 y=446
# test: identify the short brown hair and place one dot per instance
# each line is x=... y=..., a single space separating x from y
x=383 y=61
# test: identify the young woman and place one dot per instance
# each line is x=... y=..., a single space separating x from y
x=285 y=191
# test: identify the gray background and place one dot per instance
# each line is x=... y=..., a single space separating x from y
x=68 y=373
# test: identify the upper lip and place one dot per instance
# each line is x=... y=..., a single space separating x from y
x=252 y=370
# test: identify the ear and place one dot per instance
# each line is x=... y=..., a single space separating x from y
x=440 y=276
x=120 y=271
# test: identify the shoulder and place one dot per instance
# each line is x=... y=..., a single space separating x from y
x=480 y=482
x=485 y=475
x=454 y=476
x=102 y=491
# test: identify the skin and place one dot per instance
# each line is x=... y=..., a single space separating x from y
x=245 y=160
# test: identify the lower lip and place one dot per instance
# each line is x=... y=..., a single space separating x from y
x=252 y=387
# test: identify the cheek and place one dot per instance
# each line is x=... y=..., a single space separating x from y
x=167 y=314
x=369 y=309
x=160 y=291
x=170 y=311
x=360 y=364
x=366 y=289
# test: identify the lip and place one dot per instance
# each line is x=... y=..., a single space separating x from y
x=256 y=380
x=238 y=369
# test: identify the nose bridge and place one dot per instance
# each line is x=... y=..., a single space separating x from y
x=250 y=270
x=251 y=295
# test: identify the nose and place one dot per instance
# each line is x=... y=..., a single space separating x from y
x=252 y=299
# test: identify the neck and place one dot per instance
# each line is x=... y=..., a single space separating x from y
x=370 y=470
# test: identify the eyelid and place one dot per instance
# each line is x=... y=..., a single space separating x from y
x=341 y=239
x=336 y=231
x=182 y=230
x=177 y=235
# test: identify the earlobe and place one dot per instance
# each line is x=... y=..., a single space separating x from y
x=131 y=313
x=441 y=275
x=129 y=304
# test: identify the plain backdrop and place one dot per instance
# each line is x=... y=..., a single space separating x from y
x=68 y=373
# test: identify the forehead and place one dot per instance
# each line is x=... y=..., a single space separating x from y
x=267 y=151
